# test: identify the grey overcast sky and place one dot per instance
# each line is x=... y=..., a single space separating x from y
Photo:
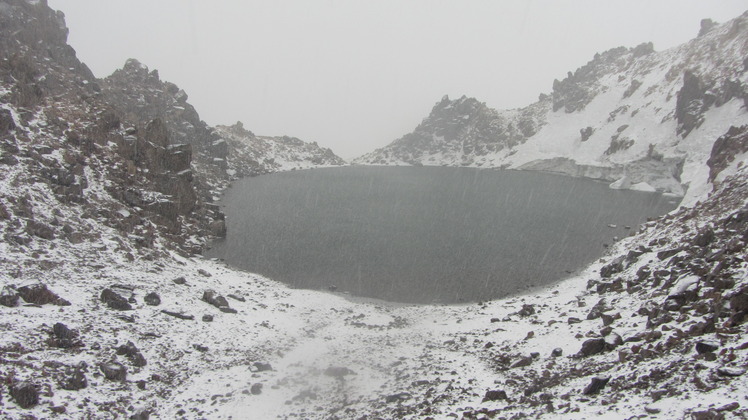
x=354 y=75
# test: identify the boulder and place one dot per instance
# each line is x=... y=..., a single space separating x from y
x=114 y=300
x=152 y=299
x=210 y=296
x=25 y=394
x=557 y=352
x=114 y=371
x=706 y=346
x=592 y=346
x=39 y=294
x=63 y=337
x=494 y=395
x=524 y=361
x=612 y=341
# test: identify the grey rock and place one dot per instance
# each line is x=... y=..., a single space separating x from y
x=596 y=385
x=592 y=346
x=114 y=371
x=114 y=300
x=152 y=299
x=25 y=394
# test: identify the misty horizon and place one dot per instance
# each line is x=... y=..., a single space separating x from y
x=353 y=77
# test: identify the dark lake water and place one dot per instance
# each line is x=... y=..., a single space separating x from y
x=427 y=234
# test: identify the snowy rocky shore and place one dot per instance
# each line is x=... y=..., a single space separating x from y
x=107 y=310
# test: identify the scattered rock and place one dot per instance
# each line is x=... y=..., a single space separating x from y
x=63 y=337
x=58 y=409
x=526 y=310
x=615 y=266
x=494 y=395
x=597 y=310
x=596 y=384
x=210 y=296
x=204 y=273
x=180 y=280
x=651 y=409
x=40 y=230
x=557 y=352
x=399 y=397
x=200 y=348
x=608 y=318
x=574 y=320
x=730 y=371
x=256 y=389
x=142 y=414
x=114 y=300
x=524 y=361
x=262 y=366
x=707 y=415
x=338 y=372
x=237 y=297
x=207 y=318
x=9 y=297
x=729 y=407
x=178 y=315
x=132 y=353
x=152 y=299
x=114 y=371
x=74 y=380
x=25 y=394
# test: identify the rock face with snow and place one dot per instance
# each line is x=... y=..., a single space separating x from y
x=632 y=116
x=218 y=155
x=254 y=155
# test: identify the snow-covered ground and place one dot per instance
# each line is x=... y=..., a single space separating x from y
x=307 y=354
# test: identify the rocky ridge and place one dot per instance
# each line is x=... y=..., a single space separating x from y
x=635 y=117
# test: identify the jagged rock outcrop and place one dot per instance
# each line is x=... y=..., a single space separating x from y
x=636 y=117
x=726 y=149
x=254 y=155
x=462 y=129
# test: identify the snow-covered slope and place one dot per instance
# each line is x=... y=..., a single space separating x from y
x=253 y=155
x=629 y=115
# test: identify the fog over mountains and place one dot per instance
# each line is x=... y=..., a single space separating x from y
x=108 y=190
x=635 y=117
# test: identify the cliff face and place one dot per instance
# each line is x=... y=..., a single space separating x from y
x=641 y=116
x=60 y=134
x=128 y=144
x=220 y=154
